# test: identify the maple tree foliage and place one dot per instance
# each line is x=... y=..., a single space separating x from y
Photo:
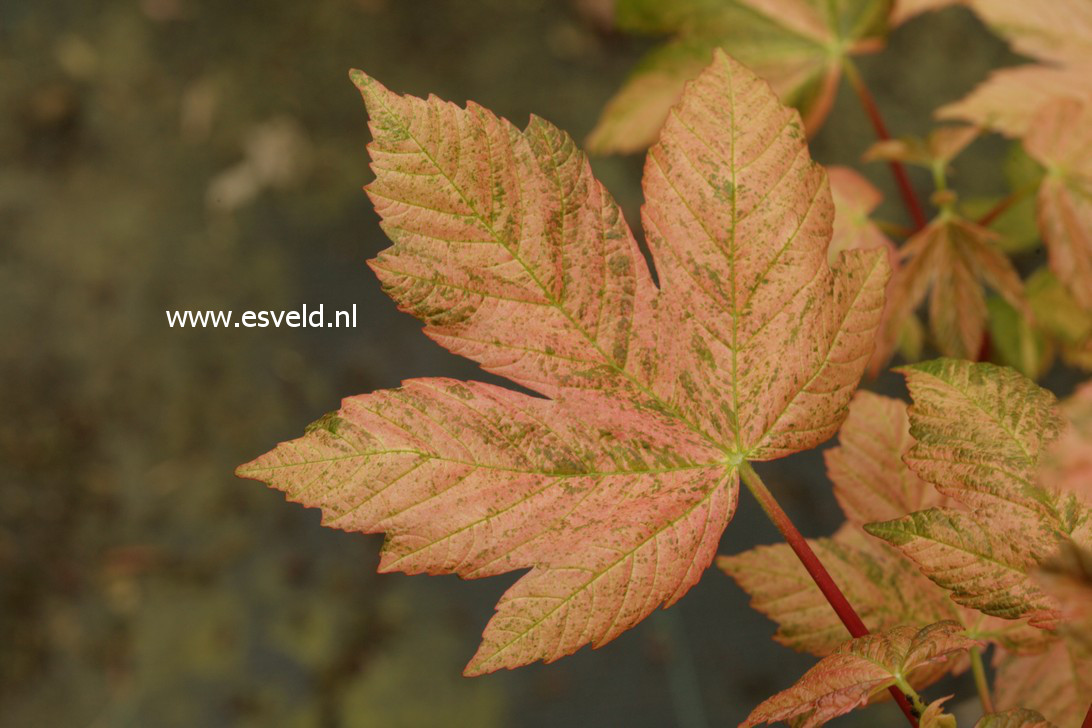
x=979 y=443
x=797 y=45
x=1057 y=33
x=614 y=488
x=968 y=513
x=859 y=669
x=1014 y=718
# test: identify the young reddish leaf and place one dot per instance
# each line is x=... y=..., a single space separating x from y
x=796 y=45
x=1014 y=718
x=953 y=258
x=1055 y=683
x=871 y=481
x=859 y=669
x=937 y=150
x=614 y=490
x=1061 y=140
x=855 y=198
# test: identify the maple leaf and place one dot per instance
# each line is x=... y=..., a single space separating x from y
x=1068 y=577
x=951 y=258
x=884 y=588
x=1061 y=140
x=859 y=669
x=934 y=716
x=980 y=431
x=797 y=45
x=1068 y=462
x=614 y=487
x=1057 y=32
x=871 y=483
x=1055 y=683
x=855 y=198
x=933 y=152
x=1014 y=718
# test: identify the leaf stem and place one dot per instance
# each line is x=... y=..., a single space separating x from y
x=1003 y=206
x=815 y=569
x=909 y=197
x=980 y=682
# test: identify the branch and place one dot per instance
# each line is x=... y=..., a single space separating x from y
x=1001 y=207
x=815 y=568
x=909 y=197
x=1088 y=719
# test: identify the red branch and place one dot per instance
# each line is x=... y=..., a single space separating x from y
x=816 y=570
x=909 y=197
x=1088 y=719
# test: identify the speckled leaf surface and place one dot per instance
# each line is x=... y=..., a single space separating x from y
x=884 y=588
x=872 y=483
x=859 y=669
x=796 y=45
x=1015 y=718
x=614 y=487
x=980 y=432
x=871 y=480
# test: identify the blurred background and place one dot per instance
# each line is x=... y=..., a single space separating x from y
x=191 y=154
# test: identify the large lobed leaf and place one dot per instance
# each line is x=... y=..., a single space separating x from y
x=614 y=488
x=859 y=669
x=796 y=45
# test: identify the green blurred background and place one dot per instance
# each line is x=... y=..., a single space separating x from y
x=191 y=154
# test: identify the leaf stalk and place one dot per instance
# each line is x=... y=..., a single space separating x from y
x=980 y=682
x=815 y=569
x=868 y=102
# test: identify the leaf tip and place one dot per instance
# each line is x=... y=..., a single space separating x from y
x=369 y=88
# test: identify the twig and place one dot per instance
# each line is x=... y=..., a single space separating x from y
x=909 y=197
x=815 y=569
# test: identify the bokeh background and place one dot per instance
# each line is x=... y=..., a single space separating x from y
x=192 y=154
